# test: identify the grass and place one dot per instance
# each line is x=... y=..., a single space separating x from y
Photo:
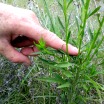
x=57 y=77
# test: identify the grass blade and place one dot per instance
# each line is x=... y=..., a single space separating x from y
x=61 y=24
x=97 y=47
x=61 y=6
x=65 y=85
x=94 y=40
x=50 y=17
x=63 y=65
x=77 y=23
x=94 y=11
x=70 y=1
x=68 y=74
x=52 y=80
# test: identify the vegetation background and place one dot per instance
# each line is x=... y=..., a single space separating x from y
x=33 y=91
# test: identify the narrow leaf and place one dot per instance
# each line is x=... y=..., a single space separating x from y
x=70 y=1
x=94 y=40
x=52 y=63
x=61 y=24
x=60 y=5
x=94 y=11
x=77 y=23
x=96 y=86
x=65 y=85
x=49 y=15
x=90 y=33
x=83 y=2
x=63 y=64
x=68 y=37
x=51 y=80
x=67 y=73
x=97 y=47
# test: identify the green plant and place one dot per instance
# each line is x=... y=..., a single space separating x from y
x=76 y=77
x=57 y=77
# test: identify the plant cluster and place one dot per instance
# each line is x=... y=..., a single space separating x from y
x=76 y=77
x=56 y=77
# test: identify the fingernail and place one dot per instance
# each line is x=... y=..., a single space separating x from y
x=75 y=51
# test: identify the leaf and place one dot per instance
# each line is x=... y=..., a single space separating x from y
x=60 y=52
x=77 y=23
x=42 y=42
x=65 y=85
x=49 y=15
x=48 y=79
x=90 y=33
x=56 y=51
x=61 y=6
x=94 y=40
x=96 y=85
x=85 y=87
x=68 y=37
x=67 y=73
x=83 y=2
x=70 y=1
x=99 y=72
x=52 y=63
x=58 y=65
x=94 y=11
x=58 y=77
x=102 y=63
x=27 y=75
x=63 y=65
x=98 y=18
x=61 y=24
x=97 y=47
x=41 y=45
x=52 y=80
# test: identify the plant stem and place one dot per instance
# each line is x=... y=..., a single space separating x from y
x=66 y=24
x=94 y=40
x=83 y=24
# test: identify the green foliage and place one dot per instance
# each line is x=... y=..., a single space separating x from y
x=57 y=77
x=94 y=11
x=50 y=17
x=76 y=77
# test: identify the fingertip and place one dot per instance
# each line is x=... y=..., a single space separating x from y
x=73 y=51
x=27 y=63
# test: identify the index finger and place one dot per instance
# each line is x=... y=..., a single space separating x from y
x=37 y=32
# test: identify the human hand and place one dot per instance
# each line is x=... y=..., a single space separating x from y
x=19 y=28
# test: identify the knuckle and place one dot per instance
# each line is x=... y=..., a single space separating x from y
x=52 y=36
x=49 y=37
x=33 y=16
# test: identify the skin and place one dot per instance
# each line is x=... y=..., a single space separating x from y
x=18 y=29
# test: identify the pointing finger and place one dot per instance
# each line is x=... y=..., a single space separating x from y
x=37 y=32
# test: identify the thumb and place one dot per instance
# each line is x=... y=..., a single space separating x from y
x=12 y=54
